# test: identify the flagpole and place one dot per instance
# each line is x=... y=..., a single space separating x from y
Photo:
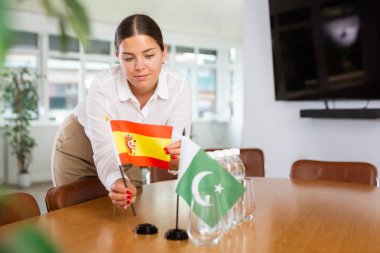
x=125 y=184
x=145 y=228
x=177 y=234
x=176 y=222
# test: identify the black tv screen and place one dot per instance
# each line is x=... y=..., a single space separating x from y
x=326 y=49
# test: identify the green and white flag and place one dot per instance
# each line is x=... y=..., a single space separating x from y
x=200 y=175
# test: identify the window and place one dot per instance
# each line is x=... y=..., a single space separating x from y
x=206 y=56
x=97 y=59
x=232 y=100
x=204 y=69
x=16 y=59
x=91 y=69
x=206 y=92
x=63 y=81
x=23 y=51
x=232 y=55
x=24 y=40
x=98 y=47
x=184 y=54
x=57 y=43
x=67 y=75
x=232 y=97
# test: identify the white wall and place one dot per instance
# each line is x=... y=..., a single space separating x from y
x=277 y=128
x=40 y=165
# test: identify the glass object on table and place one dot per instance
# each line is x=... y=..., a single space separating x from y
x=240 y=171
x=200 y=233
x=239 y=175
x=249 y=199
x=236 y=213
x=218 y=155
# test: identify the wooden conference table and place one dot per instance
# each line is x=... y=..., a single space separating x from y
x=292 y=216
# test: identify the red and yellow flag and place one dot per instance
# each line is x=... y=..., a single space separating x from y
x=141 y=144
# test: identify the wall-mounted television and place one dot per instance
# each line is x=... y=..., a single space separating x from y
x=326 y=49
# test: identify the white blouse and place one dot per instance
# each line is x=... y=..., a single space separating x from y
x=109 y=95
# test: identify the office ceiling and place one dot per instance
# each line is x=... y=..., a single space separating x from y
x=202 y=17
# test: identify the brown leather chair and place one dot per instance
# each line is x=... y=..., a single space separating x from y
x=74 y=193
x=17 y=206
x=353 y=172
x=253 y=159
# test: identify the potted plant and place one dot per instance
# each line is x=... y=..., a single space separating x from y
x=19 y=93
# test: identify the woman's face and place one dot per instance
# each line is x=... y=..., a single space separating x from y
x=141 y=59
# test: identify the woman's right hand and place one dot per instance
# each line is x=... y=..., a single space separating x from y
x=121 y=196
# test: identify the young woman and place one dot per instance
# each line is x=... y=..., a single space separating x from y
x=140 y=89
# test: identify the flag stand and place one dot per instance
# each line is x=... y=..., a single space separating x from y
x=176 y=234
x=141 y=229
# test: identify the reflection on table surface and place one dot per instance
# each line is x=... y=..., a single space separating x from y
x=292 y=216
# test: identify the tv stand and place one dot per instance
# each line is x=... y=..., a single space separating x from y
x=373 y=113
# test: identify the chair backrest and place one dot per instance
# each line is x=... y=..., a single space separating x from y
x=74 y=193
x=253 y=159
x=17 y=206
x=353 y=172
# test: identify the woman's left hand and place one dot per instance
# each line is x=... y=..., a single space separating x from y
x=174 y=150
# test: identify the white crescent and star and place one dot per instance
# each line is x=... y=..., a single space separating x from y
x=218 y=188
x=195 y=188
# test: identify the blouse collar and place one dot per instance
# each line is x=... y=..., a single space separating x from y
x=124 y=91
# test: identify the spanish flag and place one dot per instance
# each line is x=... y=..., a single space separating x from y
x=141 y=144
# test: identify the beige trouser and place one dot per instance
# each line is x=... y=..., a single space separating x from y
x=72 y=156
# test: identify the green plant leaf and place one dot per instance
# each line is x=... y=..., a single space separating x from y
x=49 y=9
x=31 y=240
x=75 y=15
x=78 y=19
x=4 y=32
x=64 y=37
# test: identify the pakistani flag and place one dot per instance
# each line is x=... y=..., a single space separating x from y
x=200 y=177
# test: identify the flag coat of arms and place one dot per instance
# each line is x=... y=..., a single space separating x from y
x=202 y=176
x=141 y=144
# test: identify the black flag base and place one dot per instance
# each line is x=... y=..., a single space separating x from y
x=146 y=229
x=176 y=234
